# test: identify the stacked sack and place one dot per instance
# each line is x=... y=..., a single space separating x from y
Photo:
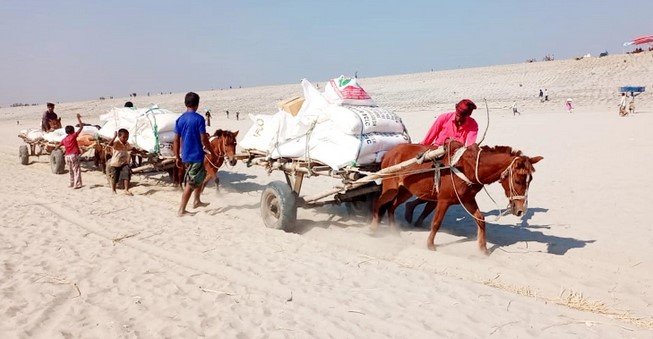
x=150 y=129
x=341 y=127
x=33 y=134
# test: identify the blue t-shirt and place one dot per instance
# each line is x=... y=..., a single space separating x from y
x=190 y=127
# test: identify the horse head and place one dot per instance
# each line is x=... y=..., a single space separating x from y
x=515 y=180
x=54 y=124
x=224 y=144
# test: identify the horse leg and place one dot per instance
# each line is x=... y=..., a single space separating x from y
x=410 y=208
x=430 y=206
x=402 y=195
x=440 y=210
x=472 y=207
x=385 y=198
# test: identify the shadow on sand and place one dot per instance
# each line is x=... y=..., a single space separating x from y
x=457 y=222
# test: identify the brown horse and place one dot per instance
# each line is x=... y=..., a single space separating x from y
x=224 y=145
x=482 y=166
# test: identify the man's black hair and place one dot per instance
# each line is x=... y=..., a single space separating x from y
x=123 y=131
x=70 y=129
x=129 y=104
x=192 y=99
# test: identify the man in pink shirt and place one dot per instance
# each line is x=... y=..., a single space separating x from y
x=458 y=125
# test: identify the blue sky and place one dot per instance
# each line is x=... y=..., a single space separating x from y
x=78 y=50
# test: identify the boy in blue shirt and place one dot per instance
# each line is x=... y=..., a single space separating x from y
x=189 y=143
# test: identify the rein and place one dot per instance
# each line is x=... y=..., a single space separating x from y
x=513 y=192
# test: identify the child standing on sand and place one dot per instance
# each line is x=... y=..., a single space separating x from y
x=73 y=152
x=119 y=164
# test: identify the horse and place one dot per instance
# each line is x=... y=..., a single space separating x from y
x=223 y=144
x=54 y=124
x=482 y=165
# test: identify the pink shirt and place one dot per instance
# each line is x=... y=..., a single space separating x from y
x=445 y=127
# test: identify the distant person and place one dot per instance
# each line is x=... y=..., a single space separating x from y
x=207 y=116
x=119 y=163
x=237 y=115
x=541 y=95
x=129 y=104
x=189 y=143
x=623 y=104
x=546 y=94
x=514 y=109
x=227 y=113
x=631 y=104
x=50 y=121
x=72 y=153
x=569 y=106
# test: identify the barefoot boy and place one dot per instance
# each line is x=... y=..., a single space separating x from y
x=119 y=163
x=190 y=140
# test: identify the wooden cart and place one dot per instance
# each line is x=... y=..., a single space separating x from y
x=358 y=188
x=42 y=147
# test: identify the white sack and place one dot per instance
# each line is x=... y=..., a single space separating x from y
x=32 y=133
x=266 y=131
x=356 y=120
x=377 y=142
x=88 y=130
x=346 y=91
x=55 y=136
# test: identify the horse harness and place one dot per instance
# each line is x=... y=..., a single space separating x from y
x=221 y=149
x=437 y=168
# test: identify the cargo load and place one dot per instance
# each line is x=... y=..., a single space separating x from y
x=332 y=131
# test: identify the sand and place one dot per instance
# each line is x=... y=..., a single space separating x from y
x=87 y=263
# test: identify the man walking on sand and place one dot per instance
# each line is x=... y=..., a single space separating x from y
x=188 y=145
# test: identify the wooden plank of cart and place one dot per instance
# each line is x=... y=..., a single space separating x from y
x=358 y=188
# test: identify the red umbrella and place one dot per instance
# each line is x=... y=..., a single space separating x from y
x=644 y=39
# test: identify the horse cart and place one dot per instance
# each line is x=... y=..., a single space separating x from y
x=40 y=147
x=358 y=188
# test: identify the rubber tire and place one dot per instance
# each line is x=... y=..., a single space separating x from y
x=279 y=206
x=57 y=162
x=23 y=154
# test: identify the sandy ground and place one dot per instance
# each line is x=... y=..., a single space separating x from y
x=86 y=263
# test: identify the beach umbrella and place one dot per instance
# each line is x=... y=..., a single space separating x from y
x=644 y=39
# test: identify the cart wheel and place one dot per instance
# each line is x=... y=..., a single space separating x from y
x=279 y=206
x=23 y=154
x=57 y=162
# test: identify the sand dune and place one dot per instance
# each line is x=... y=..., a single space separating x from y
x=87 y=263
